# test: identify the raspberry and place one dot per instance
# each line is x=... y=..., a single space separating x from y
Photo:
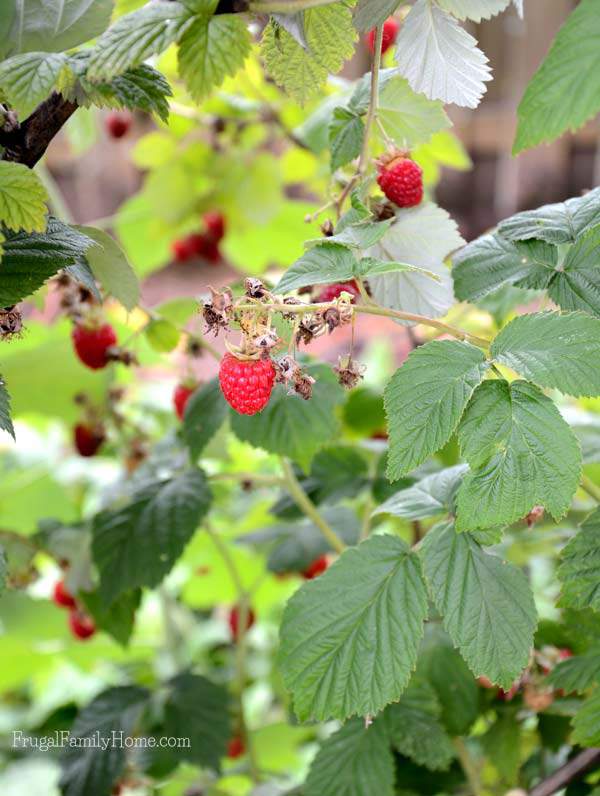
x=214 y=223
x=564 y=654
x=181 y=395
x=181 y=250
x=82 y=626
x=401 y=180
x=195 y=245
x=318 y=566
x=62 y=597
x=390 y=30
x=236 y=747
x=331 y=292
x=92 y=344
x=118 y=124
x=234 y=621
x=87 y=439
x=246 y=384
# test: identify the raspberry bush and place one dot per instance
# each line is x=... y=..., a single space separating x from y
x=372 y=576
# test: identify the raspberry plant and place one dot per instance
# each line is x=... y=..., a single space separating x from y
x=332 y=580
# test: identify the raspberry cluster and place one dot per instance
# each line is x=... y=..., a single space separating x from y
x=203 y=244
x=82 y=625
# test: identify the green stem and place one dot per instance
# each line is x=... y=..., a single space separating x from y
x=286 y=6
x=590 y=487
x=308 y=507
x=57 y=202
x=373 y=101
x=468 y=766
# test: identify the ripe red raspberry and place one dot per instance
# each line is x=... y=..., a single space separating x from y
x=62 y=597
x=215 y=225
x=181 y=250
x=181 y=395
x=390 y=30
x=246 y=383
x=87 y=439
x=92 y=344
x=118 y=124
x=236 y=747
x=234 y=621
x=331 y=292
x=318 y=566
x=401 y=180
x=82 y=626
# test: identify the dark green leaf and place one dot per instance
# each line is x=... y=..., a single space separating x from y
x=429 y=497
x=586 y=724
x=576 y=285
x=346 y=133
x=321 y=265
x=577 y=673
x=204 y=415
x=579 y=571
x=558 y=223
x=6 y=423
x=118 y=618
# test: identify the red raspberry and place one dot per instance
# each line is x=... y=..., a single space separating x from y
x=390 y=30
x=246 y=383
x=215 y=225
x=331 y=292
x=118 y=124
x=564 y=654
x=88 y=439
x=236 y=747
x=234 y=621
x=62 y=597
x=181 y=395
x=212 y=253
x=92 y=344
x=318 y=566
x=401 y=180
x=82 y=626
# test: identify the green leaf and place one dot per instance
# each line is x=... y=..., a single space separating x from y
x=137 y=545
x=425 y=399
x=429 y=497
x=558 y=223
x=136 y=36
x=415 y=730
x=28 y=79
x=359 y=234
x=291 y=426
x=564 y=92
x=139 y=88
x=553 y=349
x=117 y=619
x=586 y=724
x=346 y=133
x=210 y=50
x=6 y=423
x=161 y=335
x=475 y=10
x=576 y=286
x=321 y=265
x=493 y=261
x=204 y=415
x=353 y=656
x=3 y=571
x=87 y=768
x=579 y=571
x=577 y=673
x=111 y=267
x=22 y=198
x=198 y=709
x=521 y=452
x=371 y=13
x=409 y=119
x=502 y=745
x=486 y=604
x=31 y=258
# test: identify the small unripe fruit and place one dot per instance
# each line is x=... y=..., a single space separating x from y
x=181 y=395
x=92 y=344
x=118 y=123
x=234 y=621
x=318 y=566
x=82 y=626
x=246 y=384
x=62 y=597
x=236 y=747
x=87 y=439
x=390 y=31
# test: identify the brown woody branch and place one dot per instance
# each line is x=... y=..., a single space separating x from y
x=570 y=772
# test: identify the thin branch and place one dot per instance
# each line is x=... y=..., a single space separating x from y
x=27 y=143
x=373 y=100
x=590 y=487
x=570 y=772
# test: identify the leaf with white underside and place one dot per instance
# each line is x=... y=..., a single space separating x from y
x=28 y=79
x=586 y=724
x=558 y=223
x=409 y=119
x=439 y=58
x=348 y=657
x=422 y=236
x=476 y=593
x=518 y=4
x=579 y=570
x=521 y=453
x=564 y=92
x=22 y=198
x=6 y=423
x=425 y=398
x=476 y=10
x=576 y=286
x=577 y=673
x=351 y=760
x=553 y=349
x=370 y=13
x=429 y=497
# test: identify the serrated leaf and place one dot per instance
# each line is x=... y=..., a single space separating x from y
x=415 y=730
x=111 y=267
x=136 y=36
x=291 y=426
x=422 y=236
x=294 y=24
x=475 y=592
x=353 y=656
x=355 y=234
x=211 y=49
x=553 y=349
x=371 y=13
x=87 y=768
x=22 y=198
x=576 y=286
x=31 y=258
x=579 y=571
x=429 y=497
x=577 y=673
x=439 y=58
x=117 y=619
x=475 y=10
x=28 y=79
x=558 y=223
x=425 y=399
x=321 y=265
x=409 y=119
x=137 y=545
x=139 y=88
x=563 y=94
x=82 y=273
x=586 y=724
x=521 y=452
x=346 y=133
x=351 y=761
x=6 y=423
x=204 y=415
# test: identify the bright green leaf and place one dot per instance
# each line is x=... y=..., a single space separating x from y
x=346 y=134
x=409 y=119
x=111 y=267
x=22 y=198
x=162 y=335
x=576 y=286
x=28 y=79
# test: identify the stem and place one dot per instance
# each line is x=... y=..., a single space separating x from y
x=55 y=196
x=286 y=6
x=590 y=487
x=468 y=765
x=308 y=507
x=573 y=770
x=373 y=101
